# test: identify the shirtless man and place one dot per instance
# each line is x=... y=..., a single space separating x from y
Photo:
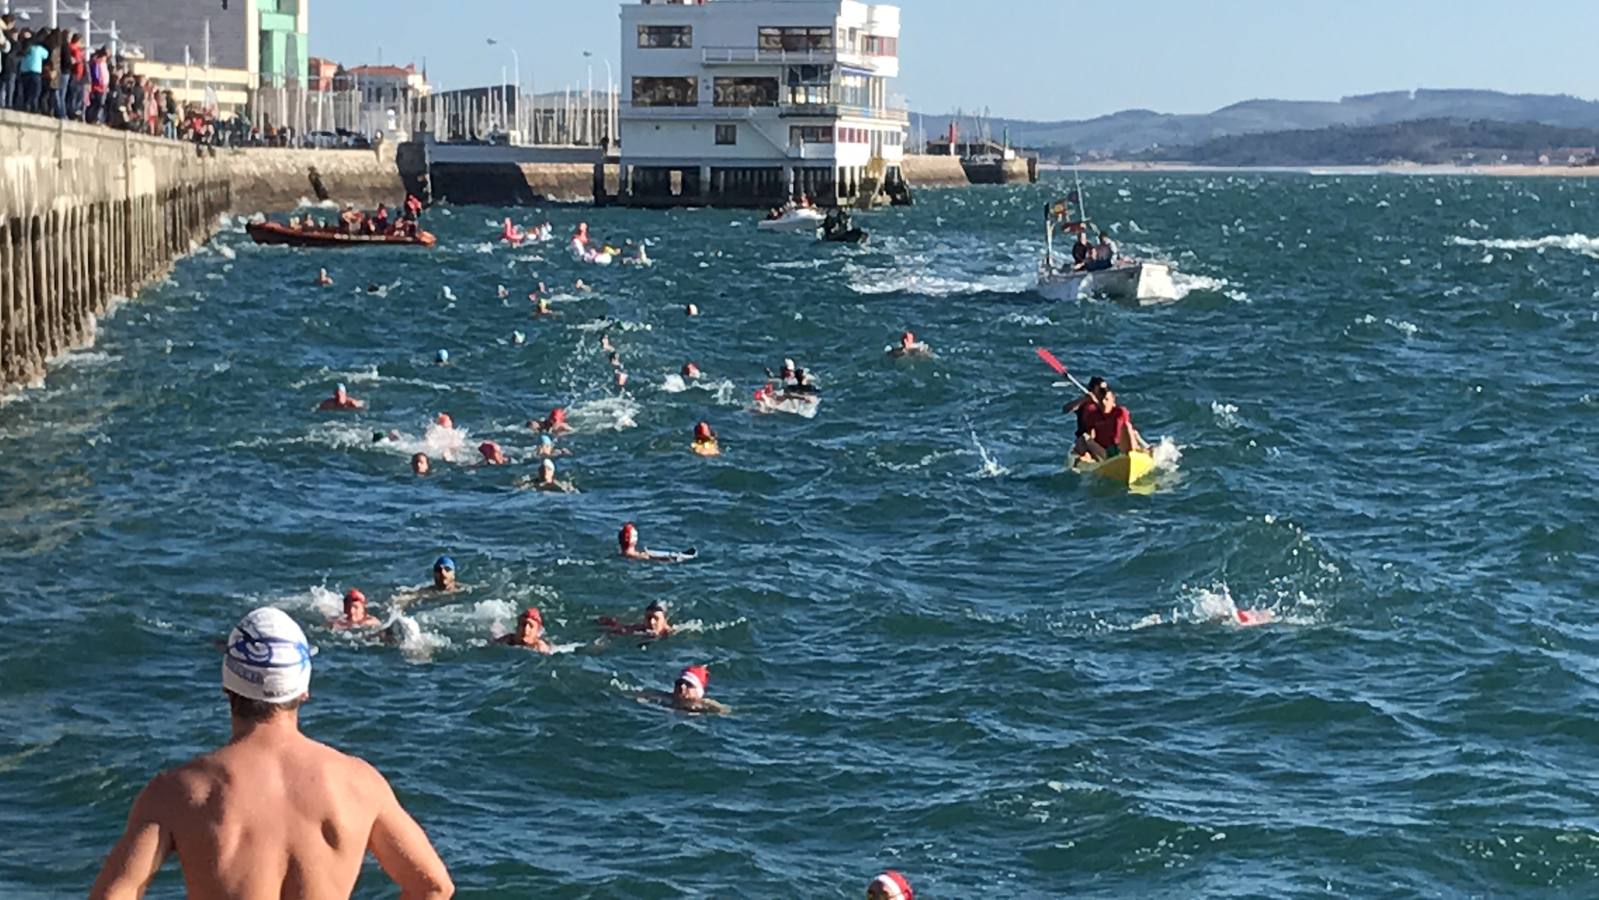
x=273 y=813
x=627 y=545
x=340 y=401
x=444 y=574
x=355 y=614
x=529 y=633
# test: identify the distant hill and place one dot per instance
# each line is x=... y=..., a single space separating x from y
x=1137 y=130
x=1427 y=141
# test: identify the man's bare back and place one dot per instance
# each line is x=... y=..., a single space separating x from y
x=272 y=814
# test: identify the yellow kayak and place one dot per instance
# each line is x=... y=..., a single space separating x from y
x=1125 y=468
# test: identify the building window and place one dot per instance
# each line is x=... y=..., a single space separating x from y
x=746 y=92
x=726 y=135
x=881 y=46
x=675 y=37
x=810 y=134
x=648 y=91
x=773 y=38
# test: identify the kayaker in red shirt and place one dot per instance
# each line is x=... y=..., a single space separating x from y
x=1111 y=432
x=1086 y=407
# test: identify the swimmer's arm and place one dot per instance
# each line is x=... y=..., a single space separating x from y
x=403 y=850
x=138 y=855
x=711 y=706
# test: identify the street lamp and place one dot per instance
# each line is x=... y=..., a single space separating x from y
x=516 y=62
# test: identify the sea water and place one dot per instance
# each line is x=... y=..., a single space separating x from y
x=944 y=653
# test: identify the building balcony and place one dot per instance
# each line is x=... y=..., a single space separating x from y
x=744 y=56
x=784 y=110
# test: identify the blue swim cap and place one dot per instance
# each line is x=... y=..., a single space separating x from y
x=546 y=439
x=444 y=562
x=442 y=356
x=340 y=387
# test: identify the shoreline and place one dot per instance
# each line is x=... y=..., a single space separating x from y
x=1496 y=171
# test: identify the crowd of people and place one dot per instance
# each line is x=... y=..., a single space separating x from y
x=54 y=72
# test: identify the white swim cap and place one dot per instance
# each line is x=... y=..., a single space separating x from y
x=268 y=658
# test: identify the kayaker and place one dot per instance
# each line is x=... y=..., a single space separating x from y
x=355 y=614
x=341 y=401
x=802 y=386
x=529 y=633
x=1112 y=432
x=1087 y=410
x=785 y=374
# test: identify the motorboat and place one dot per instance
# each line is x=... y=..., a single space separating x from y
x=277 y=233
x=799 y=220
x=1138 y=281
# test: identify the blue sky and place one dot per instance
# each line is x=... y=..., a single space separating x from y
x=1054 y=59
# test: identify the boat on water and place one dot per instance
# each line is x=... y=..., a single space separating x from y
x=277 y=233
x=1138 y=281
x=1124 y=468
x=837 y=228
x=799 y=220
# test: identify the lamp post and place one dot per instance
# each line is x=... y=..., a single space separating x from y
x=516 y=64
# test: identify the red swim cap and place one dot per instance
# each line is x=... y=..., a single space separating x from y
x=702 y=432
x=531 y=612
x=628 y=531
x=353 y=595
x=488 y=449
x=445 y=421
x=689 y=369
x=698 y=676
x=908 y=338
x=890 y=886
x=558 y=414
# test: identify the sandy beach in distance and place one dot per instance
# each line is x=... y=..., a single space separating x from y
x=1500 y=171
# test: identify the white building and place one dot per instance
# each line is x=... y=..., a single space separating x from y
x=752 y=101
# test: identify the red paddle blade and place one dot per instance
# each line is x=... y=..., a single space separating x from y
x=1050 y=360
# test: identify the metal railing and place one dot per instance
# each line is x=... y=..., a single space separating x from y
x=825 y=110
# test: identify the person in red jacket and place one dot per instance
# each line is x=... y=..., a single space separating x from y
x=1111 y=431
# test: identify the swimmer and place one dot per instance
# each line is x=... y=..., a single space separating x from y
x=444 y=421
x=801 y=388
x=501 y=292
x=1250 y=617
x=545 y=480
x=444 y=574
x=554 y=423
x=785 y=374
x=441 y=358
x=547 y=447
x=372 y=287
x=341 y=401
x=492 y=454
x=627 y=544
x=889 y=886
x=518 y=337
x=420 y=464
x=690 y=371
x=355 y=614
x=653 y=625
x=581 y=287
x=605 y=343
x=691 y=310
x=529 y=633
x=688 y=693
x=909 y=346
x=543 y=307
x=621 y=378
x=402 y=632
x=323 y=279
x=705 y=443
x=615 y=359
x=272 y=813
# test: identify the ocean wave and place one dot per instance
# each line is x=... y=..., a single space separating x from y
x=1575 y=243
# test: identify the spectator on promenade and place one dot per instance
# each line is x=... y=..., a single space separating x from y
x=10 y=50
x=30 y=72
x=75 y=73
x=99 y=86
x=55 y=82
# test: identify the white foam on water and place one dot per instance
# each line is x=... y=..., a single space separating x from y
x=1166 y=454
x=991 y=467
x=723 y=391
x=613 y=325
x=924 y=462
x=698 y=626
x=1574 y=243
x=1226 y=414
x=1187 y=282
x=931 y=285
x=1016 y=318
x=605 y=414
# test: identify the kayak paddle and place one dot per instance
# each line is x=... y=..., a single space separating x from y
x=1060 y=368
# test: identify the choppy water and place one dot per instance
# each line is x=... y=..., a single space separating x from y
x=944 y=653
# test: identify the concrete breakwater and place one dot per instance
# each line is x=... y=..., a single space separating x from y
x=88 y=214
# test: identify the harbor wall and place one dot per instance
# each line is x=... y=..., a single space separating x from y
x=933 y=171
x=88 y=214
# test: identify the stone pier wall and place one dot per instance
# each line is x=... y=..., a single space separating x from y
x=933 y=171
x=88 y=214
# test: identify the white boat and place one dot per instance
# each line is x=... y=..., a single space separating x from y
x=794 y=221
x=1139 y=281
